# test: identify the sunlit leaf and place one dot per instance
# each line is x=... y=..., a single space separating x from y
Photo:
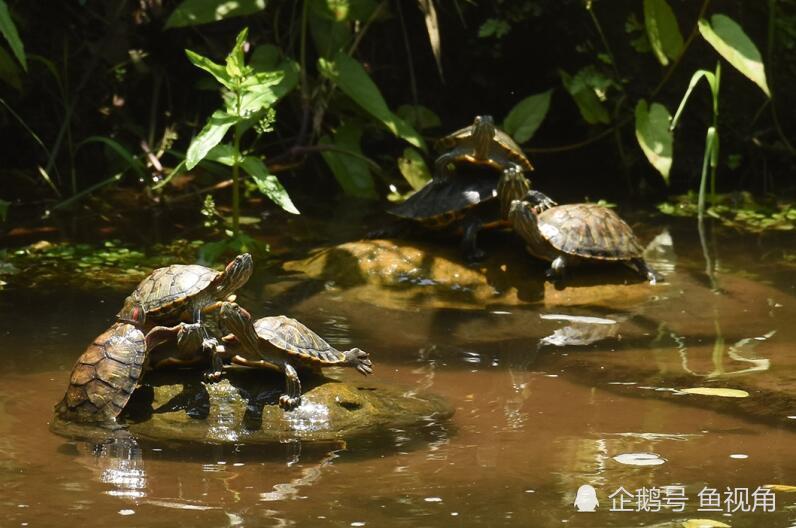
x=710 y=78
x=216 y=70
x=526 y=116
x=640 y=459
x=354 y=81
x=704 y=523
x=654 y=136
x=195 y=12
x=432 y=28
x=223 y=153
x=235 y=63
x=590 y=106
x=342 y=10
x=210 y=136
x=716 y=391
x=414 y=169
x=9 y=31
x=268 y=184
x=662 y=30
x=9 y=71
x=260 y=92
x=350 y=170
x=729 y=39
x=419 y=116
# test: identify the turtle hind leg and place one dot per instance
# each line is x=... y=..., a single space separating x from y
x=360 y=360
x=643 y=269
x=215 y=351
x=292 y=397
x=469 y=245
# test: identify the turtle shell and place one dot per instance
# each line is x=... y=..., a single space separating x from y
x=589 y=231
x=167 y=291
x=297 y=340
x=504 y=149
x=105 y=376
x=441 y=202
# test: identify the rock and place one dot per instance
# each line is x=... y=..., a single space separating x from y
x=243 y=410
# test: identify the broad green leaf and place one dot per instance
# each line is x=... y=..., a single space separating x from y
x=9 y=71
x=259 y=92
x=414 y=168
x=268 y=184
x=195 y=12
x=216 y=70
x=419 y=116
x=235 y=62
x=704 y=523
x=729 y=39
x=267 y=58
x=526 y=116
x=343 y=10
x=716 y=391
x=223 y=153
x=695 y=78
x=9 y=31
x=119 y=149
x=590 y=106
x=210 y=136
x=329 y=36
x=4 y=210
x=654 y=136
x=662 y=30
x=350 y=170
x=353 y=80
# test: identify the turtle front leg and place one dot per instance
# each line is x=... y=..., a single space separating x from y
x=540 y=200
x=557 y=269
x=469 y=244
x=216 y=352
x=643 y=269
x=292 y=397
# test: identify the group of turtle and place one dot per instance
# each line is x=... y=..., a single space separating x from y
x=185 y=315
x=564 y=235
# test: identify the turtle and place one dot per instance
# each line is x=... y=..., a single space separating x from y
x=482 y=144
x=284 y=344
x=575 y=233
x=466 y=203
x=106 y=374
x=180 y=294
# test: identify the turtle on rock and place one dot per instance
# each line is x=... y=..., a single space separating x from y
x=481 y=143
x=283 y=344
x=571 y=234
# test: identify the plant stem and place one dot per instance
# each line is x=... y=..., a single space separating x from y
x=236 y=185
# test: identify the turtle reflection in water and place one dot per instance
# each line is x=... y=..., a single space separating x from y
x=576 y=233
x=283 y=344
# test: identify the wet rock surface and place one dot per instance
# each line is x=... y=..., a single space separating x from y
x=243 y=409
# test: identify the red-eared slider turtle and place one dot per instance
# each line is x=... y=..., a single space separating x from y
x=467 y=202
x=574 y=233
x=286 y=345
x=482 y=144
x=107 y=373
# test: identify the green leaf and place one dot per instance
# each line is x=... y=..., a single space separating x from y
x=654 y=136
x=216 y=70
x=662 y=30
x=414 y=168
x=526 y=116
x=730 y=41
x=210 y=136
x=223 y=153
x=119 y=149
x=329 y=35
x=494 y=27
x=350 y=170
x=354 y=81
x=590 y=106
x=9 y=31
x=259 y=92
x=695 y=78
x=268 y=184
x=195 y=12
x=235 y=63
x=419 y=116
x=266 y=58
x=9 y=71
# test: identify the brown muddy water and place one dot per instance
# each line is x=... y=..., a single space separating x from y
x=550 y=388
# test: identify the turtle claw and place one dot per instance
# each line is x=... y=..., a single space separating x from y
x=288 y=403
x=213 y=376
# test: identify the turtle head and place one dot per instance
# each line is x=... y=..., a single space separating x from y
x=512 y=185
x=132 y=312
x=483 y=134
x=236 y=274
x=522 y=216
x=238 y=322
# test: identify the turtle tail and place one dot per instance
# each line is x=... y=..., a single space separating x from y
x=360 y=360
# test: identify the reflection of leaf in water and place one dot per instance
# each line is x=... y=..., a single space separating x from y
x=781 y=487
x=640 y=459
x=716 y=391
x=704 y=523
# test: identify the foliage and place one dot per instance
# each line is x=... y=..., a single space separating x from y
x=740 y=210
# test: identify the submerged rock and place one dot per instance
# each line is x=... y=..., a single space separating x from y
x=243 y=409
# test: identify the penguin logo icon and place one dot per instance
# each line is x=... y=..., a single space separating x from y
x=586 y=499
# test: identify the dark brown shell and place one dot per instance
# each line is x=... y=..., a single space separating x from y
x=441 y=202
x=507 y=149
x=589 y=231
x=105 y=376
x=297 y=340
x=168 y=290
